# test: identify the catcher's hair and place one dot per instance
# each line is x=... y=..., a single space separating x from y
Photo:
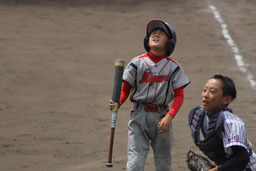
x=228 y=86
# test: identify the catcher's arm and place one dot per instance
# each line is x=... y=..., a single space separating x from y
x=238 y=160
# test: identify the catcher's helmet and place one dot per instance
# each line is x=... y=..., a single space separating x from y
x=152 y=25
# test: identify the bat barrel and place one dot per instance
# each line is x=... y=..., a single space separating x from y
x=119 y=68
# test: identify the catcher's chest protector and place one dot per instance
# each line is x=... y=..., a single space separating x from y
x=212 y=144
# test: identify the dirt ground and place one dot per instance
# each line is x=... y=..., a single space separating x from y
x=56 y=71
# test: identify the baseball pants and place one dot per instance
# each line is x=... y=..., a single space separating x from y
x=142 y=132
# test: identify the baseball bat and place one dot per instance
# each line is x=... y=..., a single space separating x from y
x=119 y=68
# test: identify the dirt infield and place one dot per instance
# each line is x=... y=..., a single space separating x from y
x=56 y=71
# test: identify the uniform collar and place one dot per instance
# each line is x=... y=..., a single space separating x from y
x=155 y=58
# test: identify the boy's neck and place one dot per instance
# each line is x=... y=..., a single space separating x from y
x=217 y=110
x=157 y=52
x=156 y=58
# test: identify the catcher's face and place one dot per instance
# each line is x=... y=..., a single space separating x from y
x=213 y=99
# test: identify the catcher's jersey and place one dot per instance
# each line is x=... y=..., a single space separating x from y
x=235 y=135
x=154 y=82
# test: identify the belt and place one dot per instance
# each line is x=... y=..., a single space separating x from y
x=150 y=107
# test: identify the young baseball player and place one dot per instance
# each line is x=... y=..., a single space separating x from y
x=153 y=80
x=223 y=138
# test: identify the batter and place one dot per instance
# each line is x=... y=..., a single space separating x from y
x=153 y=80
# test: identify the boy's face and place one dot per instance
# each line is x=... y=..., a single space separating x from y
x=158 y=39
x=212 y=97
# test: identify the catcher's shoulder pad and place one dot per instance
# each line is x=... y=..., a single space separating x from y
x=196 y=110
x=194 y=118
x=220 y=121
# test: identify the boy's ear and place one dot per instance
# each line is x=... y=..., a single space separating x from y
x=227 y=99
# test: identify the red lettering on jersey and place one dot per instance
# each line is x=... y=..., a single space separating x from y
x=145 y=77
x=148 y=77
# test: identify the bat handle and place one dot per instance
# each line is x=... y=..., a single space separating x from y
x=113 y=125
x=109 y=163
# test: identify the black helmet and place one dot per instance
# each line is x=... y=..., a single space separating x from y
x=152 y=25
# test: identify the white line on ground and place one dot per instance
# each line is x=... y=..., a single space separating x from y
x=232 y=44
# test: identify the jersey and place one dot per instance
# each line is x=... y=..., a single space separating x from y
x=234 y=134
x=152 y=82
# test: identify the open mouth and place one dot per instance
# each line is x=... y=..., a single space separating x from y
x=155 y=40
x=205 y=103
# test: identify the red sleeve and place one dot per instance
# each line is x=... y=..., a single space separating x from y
x=125 y=91
x=178 y=101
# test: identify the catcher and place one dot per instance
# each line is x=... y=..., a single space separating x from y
x=223 y=136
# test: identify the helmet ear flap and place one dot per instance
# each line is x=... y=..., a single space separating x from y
x=170 y=47
x=146 y=39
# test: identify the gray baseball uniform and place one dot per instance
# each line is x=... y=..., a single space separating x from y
x=153 y=85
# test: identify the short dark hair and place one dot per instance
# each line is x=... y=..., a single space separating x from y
x=228 y=86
